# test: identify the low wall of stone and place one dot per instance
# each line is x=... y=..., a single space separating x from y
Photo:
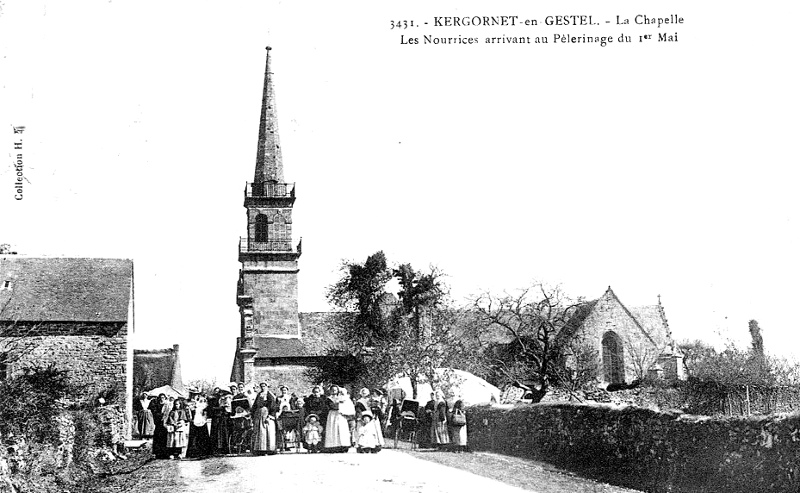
x=648 y=450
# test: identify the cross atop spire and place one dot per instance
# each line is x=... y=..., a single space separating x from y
x=269 y=164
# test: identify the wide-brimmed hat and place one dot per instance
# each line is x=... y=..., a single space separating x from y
x=310 y=416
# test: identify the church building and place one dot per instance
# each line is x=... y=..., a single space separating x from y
x=276 y=342
x=631 y=343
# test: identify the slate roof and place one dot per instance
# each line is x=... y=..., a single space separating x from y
x=651 y=319
x=316 y=338
x=575 y=322
x=65 y=289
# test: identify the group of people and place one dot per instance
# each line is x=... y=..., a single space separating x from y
x=441 y=426
x=237 y=420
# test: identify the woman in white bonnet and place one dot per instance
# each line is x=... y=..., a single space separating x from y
x=337 y=430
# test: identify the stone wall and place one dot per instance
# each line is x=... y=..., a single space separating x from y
x=274 y=293
x=293 y=376
x=648 y=450
x=95 y=362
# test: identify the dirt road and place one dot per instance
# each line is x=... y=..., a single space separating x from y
x=388 y=471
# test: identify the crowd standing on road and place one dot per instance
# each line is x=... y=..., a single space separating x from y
x=240 y=420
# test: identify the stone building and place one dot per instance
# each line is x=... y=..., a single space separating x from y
x=631 y=342
x=276 y=342
x=76 y=313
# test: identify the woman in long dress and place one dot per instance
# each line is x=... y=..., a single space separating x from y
x=458 y=433
x=160 y=409
x=199 y=438
x=263 y=415
x=219 y=409
x=367 y=406
x=440 y=436
x=143 y=415
x=337 y=429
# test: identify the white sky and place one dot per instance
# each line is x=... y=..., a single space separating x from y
x=655 y=168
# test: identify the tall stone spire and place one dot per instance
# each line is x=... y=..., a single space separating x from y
x=269 y=165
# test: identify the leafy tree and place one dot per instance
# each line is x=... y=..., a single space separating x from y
x=383 y=337
x=361 y=291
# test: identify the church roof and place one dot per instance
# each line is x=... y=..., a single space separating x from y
x=316 y=338
x=651 y=319
x=269 y=164
x=65 y=289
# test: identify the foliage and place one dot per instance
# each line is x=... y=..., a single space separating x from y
x=540 y=321
x=88 y=434
x=341 y=366
x=361 y=290
x=29 y=402
x=733 y=368
x=384 y=337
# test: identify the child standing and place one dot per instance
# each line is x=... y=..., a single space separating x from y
x=312 y=434
x=368 y=442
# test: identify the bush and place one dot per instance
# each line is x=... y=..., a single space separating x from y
x=30 y=401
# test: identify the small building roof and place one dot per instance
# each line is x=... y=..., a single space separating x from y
x=156 y=368
x=58 y=289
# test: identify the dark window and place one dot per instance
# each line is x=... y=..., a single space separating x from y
x=261 y=228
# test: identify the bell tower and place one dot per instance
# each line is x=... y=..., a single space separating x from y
x=267 y=287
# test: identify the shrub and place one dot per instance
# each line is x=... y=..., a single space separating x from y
x=30 y=401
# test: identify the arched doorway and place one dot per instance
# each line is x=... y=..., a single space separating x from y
x=613 y=358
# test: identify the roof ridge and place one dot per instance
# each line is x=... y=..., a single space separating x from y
x=635 y=320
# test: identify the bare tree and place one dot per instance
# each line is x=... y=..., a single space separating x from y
x=579 y=366
x=640 y=358
x=539 y=321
